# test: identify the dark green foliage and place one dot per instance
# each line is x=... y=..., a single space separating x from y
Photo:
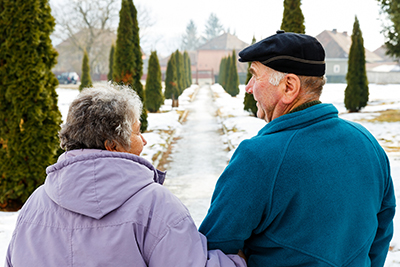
x=180 y=75
x=356 y=94
x=293 y=19
x=123 y=67
x=111 y=63
x=29 y=115
x=188 y=69
x=226 y=73
x=154 y=97
x=221 y=74
x=86 y=80
x=232 y=83
x=171 y=80
x=392 y=31
x=138 y=65
x=249 y=102
x=127 y=68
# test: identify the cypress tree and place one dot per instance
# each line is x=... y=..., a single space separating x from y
x=29 y=115
x=123 y=67
x=179 y=71
x=86 y=80
x=111 y=63
x=249 y=103
x=232 y=84
x=356 y=93
x=226 y=73
x=125 y=64
x=171 y=82
x=293 y=18
x=138 y=65
x=189 y=66
x=154 y=97
x=221 y=74
x=188 y=69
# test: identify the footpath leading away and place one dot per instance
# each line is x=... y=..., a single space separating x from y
x=198 y=157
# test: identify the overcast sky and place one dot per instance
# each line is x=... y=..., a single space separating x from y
x=260 y=18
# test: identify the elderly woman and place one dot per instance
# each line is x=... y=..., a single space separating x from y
x=102 y=204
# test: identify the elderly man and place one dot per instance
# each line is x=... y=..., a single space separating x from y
x=310 y=189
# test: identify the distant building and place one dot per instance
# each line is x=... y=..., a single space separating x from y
x=337 y=48
x=210 y=54
x=386 y=71
x=206 y=59
x=70 y=56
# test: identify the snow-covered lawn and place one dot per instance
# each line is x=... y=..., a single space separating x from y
x=239 y=125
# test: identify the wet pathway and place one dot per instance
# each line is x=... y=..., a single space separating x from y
x=198 y=157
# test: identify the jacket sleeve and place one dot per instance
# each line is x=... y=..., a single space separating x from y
x=8 y=255
x=235 y=210
x=384 y=233
x=184 y=246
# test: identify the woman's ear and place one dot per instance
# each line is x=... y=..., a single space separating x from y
x=110 y=145
x=292 y=88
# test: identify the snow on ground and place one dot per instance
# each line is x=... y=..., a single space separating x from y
x=239 y=125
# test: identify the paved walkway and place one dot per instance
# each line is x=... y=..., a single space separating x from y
x=198 y=157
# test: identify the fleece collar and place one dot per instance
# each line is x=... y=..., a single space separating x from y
x=300 y=119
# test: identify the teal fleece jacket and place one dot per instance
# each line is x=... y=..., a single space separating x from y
x=310 y=189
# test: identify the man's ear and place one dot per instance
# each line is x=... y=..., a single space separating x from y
x=292 y=88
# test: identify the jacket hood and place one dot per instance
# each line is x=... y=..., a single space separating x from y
x=96 y=182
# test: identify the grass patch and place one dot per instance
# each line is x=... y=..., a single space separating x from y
x=391 y=115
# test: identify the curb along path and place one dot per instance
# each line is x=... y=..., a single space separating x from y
x=198 y=157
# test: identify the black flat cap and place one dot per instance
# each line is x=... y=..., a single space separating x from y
x=288 y=52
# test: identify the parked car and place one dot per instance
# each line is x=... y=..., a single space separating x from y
x=68 y=77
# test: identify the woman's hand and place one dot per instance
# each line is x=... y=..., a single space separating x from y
x=241 y=254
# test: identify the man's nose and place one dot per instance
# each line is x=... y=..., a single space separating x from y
x=249 y=86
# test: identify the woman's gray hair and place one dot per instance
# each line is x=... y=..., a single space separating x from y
x=99 y=114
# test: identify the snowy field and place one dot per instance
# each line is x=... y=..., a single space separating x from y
x=238 y=125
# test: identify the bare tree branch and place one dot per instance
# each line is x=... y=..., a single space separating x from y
x=91 y=25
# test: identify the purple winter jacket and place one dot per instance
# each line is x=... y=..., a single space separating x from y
x=101 y=208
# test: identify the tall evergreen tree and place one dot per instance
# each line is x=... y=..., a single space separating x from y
x=226 y=73
x=249 y=103
x=188 y=69
x=123 y=67
x=221 y=74
x=154 y=96
x=29 y=115
x=214 y=28
x=179 y=71
x=232 y=84
x=190 y=40
x=356 y=93
x=86 y=80
x=138 y=65
x=171 y=82
x=111 y=63
x=293 y=18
